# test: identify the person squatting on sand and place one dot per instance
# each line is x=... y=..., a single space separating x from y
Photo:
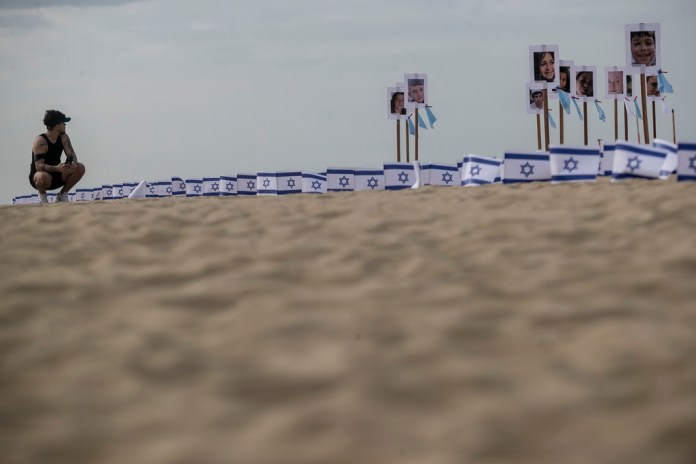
x=47 y=172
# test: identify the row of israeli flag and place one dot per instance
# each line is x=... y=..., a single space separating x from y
x=621 y=160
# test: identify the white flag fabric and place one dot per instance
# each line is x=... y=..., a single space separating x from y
x=163 y=188
x=211 y=186
x=444 y=175
x=151 y=190
x=71 y=197
x=96 y=193
x=178 y=187
x=637 y=161
x=289 y=182
x=194 y=187
x=686 y=167
x=480 y=170
x=417 y=173
x=246 y=184
x=670 y=164
x=117 y=191
x=606 y=163
x=313 y=183
x=139 y=191
x=630 y=107
x=398 y=176
x=106 y=192
x=425 y=174
x=526 y=167
x=266 y=183
x=369 y=179
x=573 y=164
x=340 y=179
x=228 y=186
x=83 y=194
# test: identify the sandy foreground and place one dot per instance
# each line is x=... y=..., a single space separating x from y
x=502 y=324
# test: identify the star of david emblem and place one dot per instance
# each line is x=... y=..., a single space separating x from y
x=343 y=182
x=152 y=189
x=372 y=183
x=316 y=185
x=215 y=187
x=475 y=170
x=109 y=192
x=169 y=190
x=182 y=186
x=251 y=185
x=447 y=178
x=634 y=163
x=291 y=183
x=692 y=163
x=527 y=169
x=403 y=177
x=570 y=165
x=266 y=183
x=197 y=188
x=82 y=196
x=120 y=192
x=229 y=186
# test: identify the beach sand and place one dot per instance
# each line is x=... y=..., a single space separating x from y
x=502 y=324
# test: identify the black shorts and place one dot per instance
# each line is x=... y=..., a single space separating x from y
x=56 y=180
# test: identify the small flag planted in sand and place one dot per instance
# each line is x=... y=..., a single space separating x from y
x=178 y=187
x=444 y=175
x=573 y=164
x=606 y=163
x=163 y=188
x=670 y=164
x=686 y=166
x=480 y=170
x=246 y=184
x=266 y=183
x=369 y=179
x=340 y=179
x=118 y=190
x=107 y=192
x=637 y=161
x=526 y=167
x=139 y=191
x=313 y=183
x=228 y=186
x=399 y=176
x=211 y=186
x=289 y=182
x=194 y=187
x=83 y=194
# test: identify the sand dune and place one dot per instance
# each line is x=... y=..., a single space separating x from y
x=502 y=324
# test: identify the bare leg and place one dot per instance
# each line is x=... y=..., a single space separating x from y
x=71 y=178
x=42 y=181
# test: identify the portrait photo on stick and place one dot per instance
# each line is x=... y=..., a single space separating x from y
x=643 y=47
x=543 y=65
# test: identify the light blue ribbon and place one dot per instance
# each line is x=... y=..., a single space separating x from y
x=663 y=85
x=431 y=117
x=551 y=121
x=577 y=108
x=411 y=127
x=602 y=114
x=565 y=99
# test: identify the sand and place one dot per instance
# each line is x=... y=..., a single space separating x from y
x=502 y=324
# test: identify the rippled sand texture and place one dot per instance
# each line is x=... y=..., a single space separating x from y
x=503 y=324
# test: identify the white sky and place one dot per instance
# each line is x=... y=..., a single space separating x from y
x=158 y=88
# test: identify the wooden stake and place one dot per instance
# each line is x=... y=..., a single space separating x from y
x=560 y=117
x=616 y=119
x=398 y=141
x=625 y=122
x=674 y=129
x=538 y=131
x=408 y=137
x=584 y=120
x=546 y=119
x=654 y=121
x=416 y=123
x=638 y=129
x=644 y=104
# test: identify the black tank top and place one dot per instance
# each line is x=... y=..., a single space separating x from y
x=52 y=156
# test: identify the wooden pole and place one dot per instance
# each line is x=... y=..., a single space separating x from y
x=616 y=119
x=674 y=129
x=644 y=104
x=560 y=117
x=546 y=119
x=625 y=122
x=416 y=123
x=408 y=138
x=584 y=120
x=538 y=131
x=638 y=129
x=398 y=141
x=654 y=121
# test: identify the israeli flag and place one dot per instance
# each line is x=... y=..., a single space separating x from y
x=106 y=192
x=163 y=188
x=117 y=191
x=369 y=179
x=425 y=174
x=178 y=187
x=228 y=186
x=340 y=179
x=289 y=182
x=128 y=188
x=313 y=183
x=211 y=186
x=480 y=170
x=194 y=187
x=606 y=163
x=670 y=164
x=246 y=184
x=686 y=166
x=637 y=161
x=266 y=183
x=97 y=193
x=573 y=164
x=399 y=176
x=444 y=175
x=71 y=197
x=83 y=194
x=151 y=190
x=526 y=167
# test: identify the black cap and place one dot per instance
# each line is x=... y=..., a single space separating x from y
x=54 y=117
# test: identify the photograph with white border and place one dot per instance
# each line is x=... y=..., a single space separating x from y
x=543 y=65
x=563 y=77
x=614 y=77
x=652 y=87
x=535 y=98
x=416 y=91
x=583 y=83
x=643 y=47
x=396 y=100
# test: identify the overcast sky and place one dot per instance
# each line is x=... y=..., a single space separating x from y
x=158 y=88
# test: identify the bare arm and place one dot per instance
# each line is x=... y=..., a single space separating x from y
x=39 y=150
x=71 y=156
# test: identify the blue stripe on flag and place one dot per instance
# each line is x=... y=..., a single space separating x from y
x=443 y=168
x=575 y=177
x=640 y=151
x=475 y=181
x=685 y=178
x=521 y=156
x=369 y=173
x=484 y=161
x=313 y=176
x=687 y=146
x=339 y=171
x=574 y=151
